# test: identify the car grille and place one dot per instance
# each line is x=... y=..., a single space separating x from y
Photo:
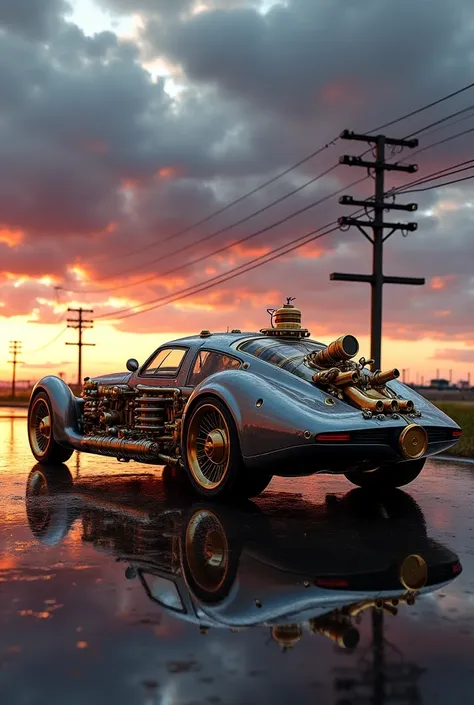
x=389 y=436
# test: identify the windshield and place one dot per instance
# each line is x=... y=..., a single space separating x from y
x=289 y=355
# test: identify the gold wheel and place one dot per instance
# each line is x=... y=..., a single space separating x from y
x=208 y=446
x=39 y=427
x=207 y=551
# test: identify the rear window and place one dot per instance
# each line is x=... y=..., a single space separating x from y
x=289 y=355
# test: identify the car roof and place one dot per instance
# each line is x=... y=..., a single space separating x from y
x=223 y=341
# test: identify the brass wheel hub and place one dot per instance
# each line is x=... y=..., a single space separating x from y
x=39 y=427
x=215 y=446
x=413 y=441
x=208 y=446
x=207 y=551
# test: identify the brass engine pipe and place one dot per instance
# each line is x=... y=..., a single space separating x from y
x=341 y=349
x=345 y=378
x=326 y=376
x=406 y=405
x=391 y=406
x=379 y=378
x=363 y=401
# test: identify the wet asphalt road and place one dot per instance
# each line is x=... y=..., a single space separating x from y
x=117 y=587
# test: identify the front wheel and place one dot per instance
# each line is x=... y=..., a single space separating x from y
x=40 y=432
x=387 y=476
x=211 y=453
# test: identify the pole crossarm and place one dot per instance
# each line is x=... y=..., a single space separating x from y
x=372 y=139
x=376 y=205
x=370 y=203
x=80 y=324
x=369 y=279
x=346 y=220
x=349 y=160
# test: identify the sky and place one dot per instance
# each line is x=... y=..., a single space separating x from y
x=124 y=123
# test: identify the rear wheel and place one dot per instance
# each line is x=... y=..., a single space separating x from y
x=212 y=456
x=40 y=432
x=387 y=476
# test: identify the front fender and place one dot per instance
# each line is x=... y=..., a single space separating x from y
x=66 y=410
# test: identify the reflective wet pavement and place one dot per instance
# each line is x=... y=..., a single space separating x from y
x=115 y=586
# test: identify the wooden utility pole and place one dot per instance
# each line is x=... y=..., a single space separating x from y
x=15 y=350
x=80 y=324
x=377 y=279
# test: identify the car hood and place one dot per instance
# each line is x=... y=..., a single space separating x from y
x=114 y=378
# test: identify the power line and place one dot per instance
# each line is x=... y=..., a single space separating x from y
x=442 y=122
x=423 y=108
x=226 y=207
x=434 y=186
x=43 y=347
x=435 y=144
x=246 y=267
x=286 y=171
x=203 y=239
x=439 y=173
x=248 y=237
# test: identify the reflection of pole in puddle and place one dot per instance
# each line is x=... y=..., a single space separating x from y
x=375 y=680
x=78 y=465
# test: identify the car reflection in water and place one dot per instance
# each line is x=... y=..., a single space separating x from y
x=285 y=564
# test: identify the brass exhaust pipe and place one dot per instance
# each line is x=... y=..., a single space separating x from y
x=363 y=401
x=406 y=405
x=345 y=378
x=391 y=406
x=379 y=378
x=341 y=349
x=326 y=376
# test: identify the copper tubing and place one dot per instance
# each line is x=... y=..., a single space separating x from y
x=343 y=634
x=326 y=376
x=378 y=379
x=341 y=349
x=363 y=401
x=345 y=378
x=391 y=406
x=406 y=405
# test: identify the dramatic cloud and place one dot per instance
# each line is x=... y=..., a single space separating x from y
x=104 y=167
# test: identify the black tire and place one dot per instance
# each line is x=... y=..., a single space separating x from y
x=211 y=547
x=251 y=484
x=211 y=453
x=387 y=476
x=41 y=435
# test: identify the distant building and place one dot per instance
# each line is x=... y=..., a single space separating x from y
x=440 y=384
x=464 y=384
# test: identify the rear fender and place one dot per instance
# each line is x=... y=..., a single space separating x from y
x=266 y=418
x=66 y=408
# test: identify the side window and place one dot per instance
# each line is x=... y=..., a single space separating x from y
x=166 y=362
x=207 y=363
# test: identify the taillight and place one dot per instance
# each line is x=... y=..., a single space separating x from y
x=335 y=437
x=457 y=434
x=331 y=582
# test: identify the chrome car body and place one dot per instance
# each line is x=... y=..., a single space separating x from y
x=237 y=408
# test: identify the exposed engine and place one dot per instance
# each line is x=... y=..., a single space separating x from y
x=143 y=423
x=346 y=379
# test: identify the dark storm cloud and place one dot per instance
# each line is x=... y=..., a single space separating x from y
x=96 y=158
x=36 y=19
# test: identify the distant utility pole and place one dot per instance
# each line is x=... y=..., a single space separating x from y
x=15 y=350
x=377 y=279
x=80 y=324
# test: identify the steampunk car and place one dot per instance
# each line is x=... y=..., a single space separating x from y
x=234 y=409
x=288 y=565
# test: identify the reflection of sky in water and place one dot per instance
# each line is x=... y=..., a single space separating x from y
x=74 y=630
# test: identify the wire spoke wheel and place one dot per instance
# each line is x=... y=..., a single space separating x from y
x=207 y=551
x=208 y=446
x=39 y=427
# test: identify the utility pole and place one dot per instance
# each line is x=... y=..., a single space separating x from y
x=80 y=325
x=377 y=279
x=15 y=350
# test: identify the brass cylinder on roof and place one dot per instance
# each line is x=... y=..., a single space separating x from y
x=345 y=378
x=363 y=401
x=287 y=316
x=341 y=349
